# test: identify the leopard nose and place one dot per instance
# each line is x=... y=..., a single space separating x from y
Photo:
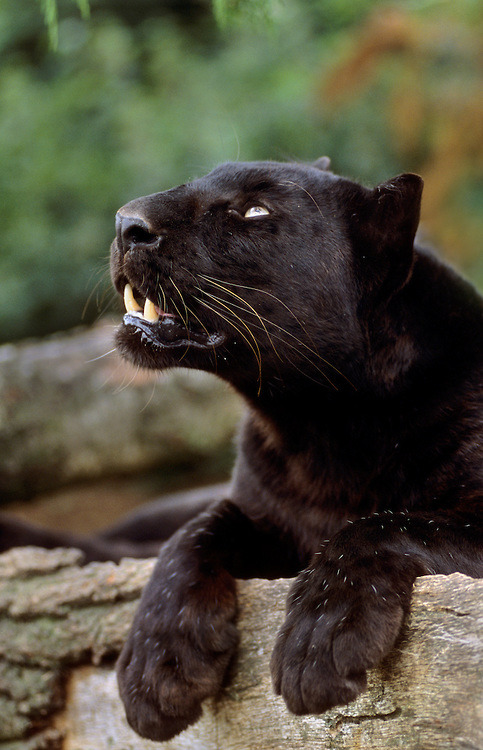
x=133 y=232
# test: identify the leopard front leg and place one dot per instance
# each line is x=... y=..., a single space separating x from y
x=184 y=632
x=346 y=609
x=181 y=640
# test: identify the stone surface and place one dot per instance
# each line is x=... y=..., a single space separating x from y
x=71 y=409
x=61 y=626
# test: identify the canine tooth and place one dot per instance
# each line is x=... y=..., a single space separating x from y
x=150 y=313
x=129 y=301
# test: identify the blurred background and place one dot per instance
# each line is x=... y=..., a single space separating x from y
x=143 y=95
x=105 y=100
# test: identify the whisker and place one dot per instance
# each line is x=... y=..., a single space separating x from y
x=185 y=319
x=94 y=290
x=263 y=327
x=193 y=315
x=106 y=303
x=295 y=184
x=229 y=305
x=215 y=362
x=153 y=389
x=261 y=291
x=304 y=356
x=187 y=329
x=160 y=286
x=125 y=385
x=270 y=322
x=251 y=309
x=178 y=312
x=230 y=309
x=230 y=322
x=101 y=356
x=293 y=347
x=196 y=283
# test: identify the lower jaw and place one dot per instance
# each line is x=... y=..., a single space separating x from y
x=152 y=333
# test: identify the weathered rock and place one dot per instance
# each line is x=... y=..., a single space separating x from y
x=60 y=626
x=71 y=409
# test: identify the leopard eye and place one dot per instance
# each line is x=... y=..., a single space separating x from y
x=255 y=211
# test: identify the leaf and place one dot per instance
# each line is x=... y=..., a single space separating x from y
x=49 y=9
x=51 y=17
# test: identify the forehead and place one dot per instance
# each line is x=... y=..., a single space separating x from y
x=234 y=178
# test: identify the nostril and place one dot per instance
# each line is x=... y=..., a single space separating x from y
x=132 y=230
x=136 y=235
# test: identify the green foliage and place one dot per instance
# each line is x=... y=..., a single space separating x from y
x=237 y=12
x=51 y=15
x=149 y=94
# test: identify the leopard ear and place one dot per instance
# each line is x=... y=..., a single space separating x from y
x=323 y=164
x=384 y=227
x=396 y=206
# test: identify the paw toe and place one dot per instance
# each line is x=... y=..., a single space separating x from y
x=148 y=720
x=321 y=692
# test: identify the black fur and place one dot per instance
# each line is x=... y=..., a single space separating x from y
x=360 y=459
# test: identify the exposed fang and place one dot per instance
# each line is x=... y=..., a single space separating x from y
x=150 y=314
x=129 y=301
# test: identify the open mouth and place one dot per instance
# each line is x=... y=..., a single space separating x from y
x=164 y=329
